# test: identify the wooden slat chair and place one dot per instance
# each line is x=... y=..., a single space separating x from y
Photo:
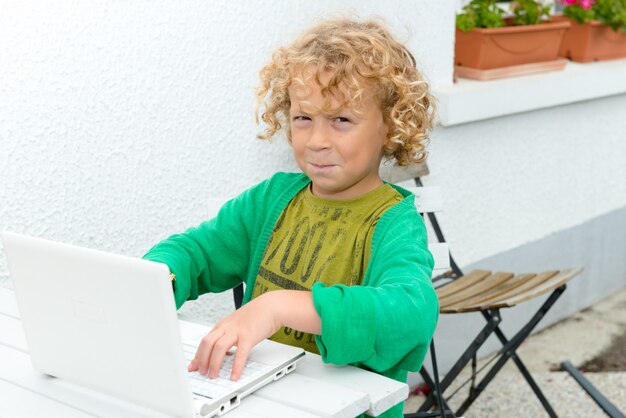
x=485 y=292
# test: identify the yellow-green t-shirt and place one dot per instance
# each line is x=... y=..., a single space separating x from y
x=323 y=240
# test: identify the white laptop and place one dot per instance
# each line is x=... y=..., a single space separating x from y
x=108 y=322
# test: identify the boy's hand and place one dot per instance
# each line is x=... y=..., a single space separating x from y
x=244 y=328
x=252 y=323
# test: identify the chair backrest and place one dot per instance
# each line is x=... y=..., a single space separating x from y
x=428 y=202
x=396 y=174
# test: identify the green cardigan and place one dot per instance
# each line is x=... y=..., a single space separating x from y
x=384 y=325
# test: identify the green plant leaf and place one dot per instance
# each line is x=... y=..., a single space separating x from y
x=611 y=13
x=480 y=14
x=530 y=12
x=579 y=14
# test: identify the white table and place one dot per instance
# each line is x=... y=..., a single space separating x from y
x=313 y=389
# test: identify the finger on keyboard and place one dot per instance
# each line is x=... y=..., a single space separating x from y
x=239 y=362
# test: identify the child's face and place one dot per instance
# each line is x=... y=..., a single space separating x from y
x=340 y=153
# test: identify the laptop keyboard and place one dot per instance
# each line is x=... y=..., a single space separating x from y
x=222 y=385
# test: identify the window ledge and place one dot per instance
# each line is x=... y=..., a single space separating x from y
x=471 y=100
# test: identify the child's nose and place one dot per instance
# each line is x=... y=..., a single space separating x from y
x=319 y=138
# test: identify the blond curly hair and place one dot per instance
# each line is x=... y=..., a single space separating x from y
x=352 y=56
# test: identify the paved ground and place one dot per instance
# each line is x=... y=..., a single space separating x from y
x=580 y=338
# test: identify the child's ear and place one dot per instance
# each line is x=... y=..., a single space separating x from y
x=385 y=131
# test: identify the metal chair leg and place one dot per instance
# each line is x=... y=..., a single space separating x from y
x=444 y=410
x=606 y=405
x=442 y=405
x=509 y=350
x=482 y=336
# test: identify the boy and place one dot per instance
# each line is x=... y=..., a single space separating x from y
x=334 y=260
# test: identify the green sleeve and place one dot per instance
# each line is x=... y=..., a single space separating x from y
x=387 y=323
x=215 y=255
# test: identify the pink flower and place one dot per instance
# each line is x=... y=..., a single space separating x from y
x=586 y=4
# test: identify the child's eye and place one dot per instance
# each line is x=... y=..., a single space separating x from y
x=341 y=119
x=301 y=118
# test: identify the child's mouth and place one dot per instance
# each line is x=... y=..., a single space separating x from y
x=321 y=167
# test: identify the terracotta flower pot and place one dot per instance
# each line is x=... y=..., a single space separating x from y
x=592 y=41
x=509 y=45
